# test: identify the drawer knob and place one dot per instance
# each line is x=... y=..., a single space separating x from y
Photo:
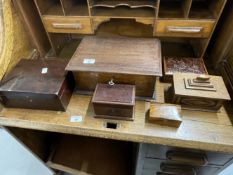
x=187 y=158
x=67 y=25
x=184 y=29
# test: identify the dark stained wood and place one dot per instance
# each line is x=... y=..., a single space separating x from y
x=37 y=84
x=93 y=156
x=114 y=101
x=182 y=65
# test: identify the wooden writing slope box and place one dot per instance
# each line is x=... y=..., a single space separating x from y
x=38 y=84
x=134 y=61
x=199 y=97
x=114 y=101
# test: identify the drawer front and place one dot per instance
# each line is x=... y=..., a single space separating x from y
x=184 y=28
x=80 y=25
x=113 y=110
x=178 y=155
x=155 y=166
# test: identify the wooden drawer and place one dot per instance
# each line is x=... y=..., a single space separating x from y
x=80 y=25
x=166 y=153
x=184 y=28
x=154 y=166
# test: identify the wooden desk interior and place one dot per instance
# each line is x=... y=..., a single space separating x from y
x=199 y=130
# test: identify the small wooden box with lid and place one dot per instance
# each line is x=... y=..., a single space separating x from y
x=199 y=92
x=115 y=101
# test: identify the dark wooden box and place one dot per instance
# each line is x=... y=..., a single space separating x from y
x=199 y=97
x=37 y=84
x=135 y=61
x=114 y=101
x=173 y=65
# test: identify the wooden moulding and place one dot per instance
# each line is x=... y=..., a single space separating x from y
x=135 y=61
x=83 y=155
x=130 y=3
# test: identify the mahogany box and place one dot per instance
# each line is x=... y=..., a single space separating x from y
x=173 y=65
x=37 y=84
x=199 y=92
x=114 y=101
x=135 y=61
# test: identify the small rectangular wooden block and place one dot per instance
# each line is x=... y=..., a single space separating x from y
x=135 y=61
x=165 y=114
x=114 y=101
x=37 y=84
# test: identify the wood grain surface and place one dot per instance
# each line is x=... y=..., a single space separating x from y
x=199 y=130
x=135 y=56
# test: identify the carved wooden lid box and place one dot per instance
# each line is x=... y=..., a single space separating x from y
x=173 y=65
x=200 y=92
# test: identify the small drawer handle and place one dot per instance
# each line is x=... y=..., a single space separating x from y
x=187 y=158
x=67 y=25
x=184 y=29
x=177 y=169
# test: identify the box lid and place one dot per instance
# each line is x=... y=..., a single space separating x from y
x=114 y=94
x=219 y=91
x=36 y=76
x=184 y=65
x=139 y=56
x=165 y=114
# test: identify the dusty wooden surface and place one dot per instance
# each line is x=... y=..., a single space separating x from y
x=199 y=130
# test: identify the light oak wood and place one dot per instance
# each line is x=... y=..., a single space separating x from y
x=184 y=28
x=165 y=114
x=199 y=130
x=68 y=24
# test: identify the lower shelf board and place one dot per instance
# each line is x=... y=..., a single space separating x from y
x=75 y=155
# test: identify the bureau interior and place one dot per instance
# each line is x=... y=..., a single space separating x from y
x=180 y=20
x=206 y=9
x=63 y=7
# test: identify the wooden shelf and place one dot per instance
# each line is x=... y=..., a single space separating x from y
x=50 y=7
x=75 y=154
x=171 y=9
x=205 y=9
x=200 y=9
x=75 y=8
x=181 y=48
x=123 y=12
x=130 y=3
